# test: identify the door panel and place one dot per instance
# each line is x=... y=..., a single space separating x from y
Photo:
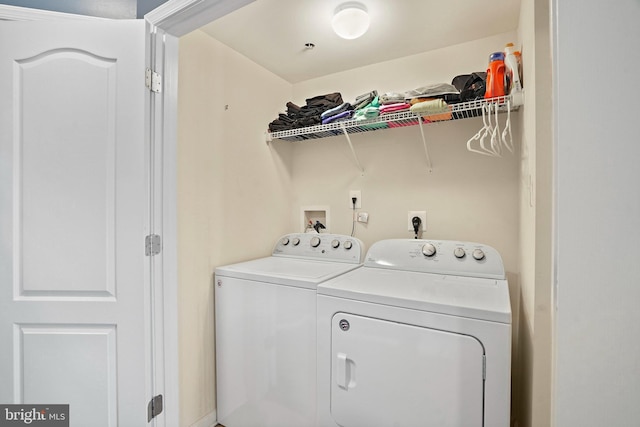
x=69 y=211
x=391 y=374
x=89 y=352
x=74 y=296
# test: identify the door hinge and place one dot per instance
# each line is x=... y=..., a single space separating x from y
x=154 y=408
x=152 y=245
x=153 y=81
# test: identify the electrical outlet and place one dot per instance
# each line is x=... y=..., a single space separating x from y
x=358 y=196
x=420 y=214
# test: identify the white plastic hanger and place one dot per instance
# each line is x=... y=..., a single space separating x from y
x=507 y=129
x=496 y=146
x=496 y=139
x=482 y=134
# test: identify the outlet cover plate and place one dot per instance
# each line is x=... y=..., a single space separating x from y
x=420 y=214
x=357 y=194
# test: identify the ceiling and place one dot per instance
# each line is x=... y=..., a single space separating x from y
x=273 y=33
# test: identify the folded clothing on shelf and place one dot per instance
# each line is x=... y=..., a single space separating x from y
x=403 y=123
x=392 y=108
x=366 y=113
x=340 y=116
x=325 y=102
x=283 y=122
x=345 y=106
x=431 y=109
x=369 y=111
x=379 y=125
x=307 y=115
x=444 y=91
x=364 y=100
x=391 y=98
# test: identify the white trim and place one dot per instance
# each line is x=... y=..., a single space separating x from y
x=163 y=115
x=16 y=13
x=209 y=420
x=179 y=17
x=165 y=24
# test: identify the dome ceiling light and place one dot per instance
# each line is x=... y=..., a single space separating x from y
x=350 y=20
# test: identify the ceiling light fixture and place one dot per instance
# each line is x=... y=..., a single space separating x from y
x=350 y=20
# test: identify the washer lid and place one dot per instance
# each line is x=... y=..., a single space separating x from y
x=476 y=298
x=286 y=271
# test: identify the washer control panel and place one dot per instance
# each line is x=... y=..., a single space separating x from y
x=332 y=247
x=437 y=256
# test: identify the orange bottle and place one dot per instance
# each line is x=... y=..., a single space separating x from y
x=495 y=76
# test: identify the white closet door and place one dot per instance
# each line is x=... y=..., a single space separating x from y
x=74 y=301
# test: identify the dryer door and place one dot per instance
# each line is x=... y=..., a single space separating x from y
x=392 y=374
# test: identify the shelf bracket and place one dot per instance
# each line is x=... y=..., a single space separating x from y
x=424 y=143
x=353 y=151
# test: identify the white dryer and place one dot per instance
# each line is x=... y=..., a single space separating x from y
x=266 y=330
x=419 y=336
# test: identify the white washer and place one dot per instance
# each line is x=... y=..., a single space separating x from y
x=419 y=336
x=266 y=330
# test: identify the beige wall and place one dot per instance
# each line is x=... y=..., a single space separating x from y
x=235 y=188
x=232 y=188
x=523 y=363
x=532 y=379
x=542 y=390
x=466 y=196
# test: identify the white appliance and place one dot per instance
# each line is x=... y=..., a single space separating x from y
x=419 y=336
x=266 y=330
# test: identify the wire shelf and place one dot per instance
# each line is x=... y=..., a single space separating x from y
x=462 y=110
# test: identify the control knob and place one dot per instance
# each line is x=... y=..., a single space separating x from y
x=348 y=244
x=315 y=242
x=295 y=241
x=285 y=241
x=428 y=249
x=478 y=254
x=459 y=252
x=335 y=243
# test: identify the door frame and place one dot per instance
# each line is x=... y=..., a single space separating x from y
x=164 y=26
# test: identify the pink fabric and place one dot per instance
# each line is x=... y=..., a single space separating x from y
x=401 y=124
x=391 y=108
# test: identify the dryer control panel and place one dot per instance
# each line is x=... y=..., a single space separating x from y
x=330 y=247
x=448 y=257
